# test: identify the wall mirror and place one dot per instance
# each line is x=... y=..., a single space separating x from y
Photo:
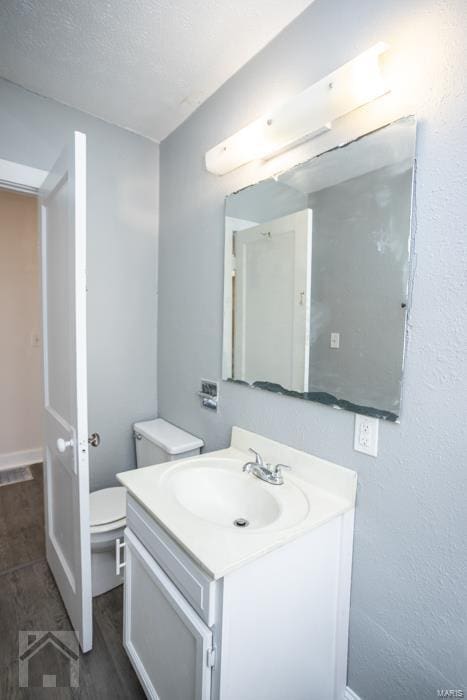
x=316 y=275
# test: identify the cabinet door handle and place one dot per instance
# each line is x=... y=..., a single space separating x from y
x=119 y=563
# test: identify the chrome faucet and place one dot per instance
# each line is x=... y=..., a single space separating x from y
x=265 y=472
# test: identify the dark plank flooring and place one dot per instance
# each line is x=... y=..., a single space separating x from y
x=29 y=600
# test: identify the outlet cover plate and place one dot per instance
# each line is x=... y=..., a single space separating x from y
x=366 y=435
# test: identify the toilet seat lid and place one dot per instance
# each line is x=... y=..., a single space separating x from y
x=107 y=505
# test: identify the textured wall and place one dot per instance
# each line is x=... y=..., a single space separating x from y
x=408 y=617
x=122 y=246
x=20 y=361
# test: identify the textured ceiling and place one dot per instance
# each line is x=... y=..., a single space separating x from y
x=142 y=64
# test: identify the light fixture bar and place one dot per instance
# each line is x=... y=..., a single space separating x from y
x=305 y=115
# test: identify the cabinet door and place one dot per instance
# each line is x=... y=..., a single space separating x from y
x=168 y=644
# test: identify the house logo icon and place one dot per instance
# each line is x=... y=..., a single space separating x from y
x=48 y=659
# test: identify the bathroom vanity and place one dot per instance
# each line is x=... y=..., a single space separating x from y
x=234 y=587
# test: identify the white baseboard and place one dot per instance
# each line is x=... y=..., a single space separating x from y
x=350 y=695
x=10 y=460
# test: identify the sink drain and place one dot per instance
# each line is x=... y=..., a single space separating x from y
x=241 y=522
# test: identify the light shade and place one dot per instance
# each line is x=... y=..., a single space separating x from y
x=305 y=115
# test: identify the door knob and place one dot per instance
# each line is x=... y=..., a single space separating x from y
x=94 y=439
x=62 y=444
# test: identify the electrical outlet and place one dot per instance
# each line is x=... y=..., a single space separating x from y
x=366 y=435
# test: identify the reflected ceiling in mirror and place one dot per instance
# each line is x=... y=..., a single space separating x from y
x=317 y=272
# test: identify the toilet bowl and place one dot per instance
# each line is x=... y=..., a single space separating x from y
x=157 y=441
x=107 y=518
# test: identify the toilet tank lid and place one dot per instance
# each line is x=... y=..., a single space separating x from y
x=173 y=440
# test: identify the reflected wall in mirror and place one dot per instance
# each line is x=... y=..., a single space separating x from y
x=316 y=275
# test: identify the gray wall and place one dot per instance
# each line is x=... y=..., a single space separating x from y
x=358 y=282
x=408 y=614
x=122 y=271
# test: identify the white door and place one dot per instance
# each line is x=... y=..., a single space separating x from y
x=169 y=645
x=66 y=472
x=272 y=301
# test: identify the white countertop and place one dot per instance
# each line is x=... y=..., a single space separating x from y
x=327 y=490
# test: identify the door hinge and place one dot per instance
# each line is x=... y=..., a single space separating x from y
x=211 y=657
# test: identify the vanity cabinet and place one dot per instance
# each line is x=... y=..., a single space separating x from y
x=271 y=629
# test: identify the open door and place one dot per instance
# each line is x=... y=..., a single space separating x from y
x=272 y=301
x=66 y=466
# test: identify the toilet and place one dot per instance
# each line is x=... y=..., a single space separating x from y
x=157 y=441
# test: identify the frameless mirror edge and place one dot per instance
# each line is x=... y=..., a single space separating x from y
x=320 y=397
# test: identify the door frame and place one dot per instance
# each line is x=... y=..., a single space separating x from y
x=300 y=224
x=232 y=225
x=24 y=179
x=20 y=177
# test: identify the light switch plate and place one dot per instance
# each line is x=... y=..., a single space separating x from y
x=35 y=339
x=335 y=340
x=366 y=435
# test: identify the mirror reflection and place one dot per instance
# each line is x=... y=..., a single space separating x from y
x=316 y=275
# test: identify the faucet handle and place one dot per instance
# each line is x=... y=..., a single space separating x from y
x=258 y=458
x=279 y=467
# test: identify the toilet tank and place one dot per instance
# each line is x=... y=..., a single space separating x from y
x=158 y=441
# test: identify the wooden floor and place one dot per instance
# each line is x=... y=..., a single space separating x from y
x=29 y=600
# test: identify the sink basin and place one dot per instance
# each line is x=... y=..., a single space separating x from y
x=223 y=494
x=196 y=500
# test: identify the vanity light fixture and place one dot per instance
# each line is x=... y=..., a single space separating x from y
x=305 y=115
